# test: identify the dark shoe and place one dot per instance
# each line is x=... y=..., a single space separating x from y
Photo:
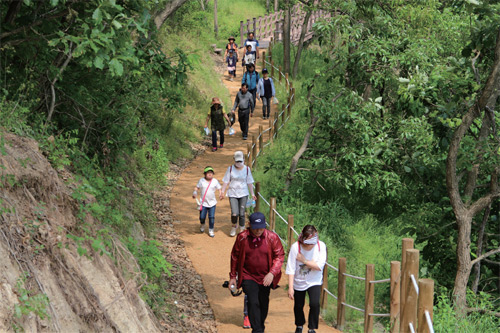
x=244 y=138
x=214 y=148
x=298 y=329
x=221 y=146
x=311 y=331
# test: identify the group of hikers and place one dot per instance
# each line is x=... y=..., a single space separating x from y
x=253 y=87
x=257 y=255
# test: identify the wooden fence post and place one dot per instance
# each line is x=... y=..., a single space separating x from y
x=283 y=113
x=272 y=214
x=290 y=238
x=257 y=192
x=409 y=314
x=324 y=296
x=261 y=138
x=276 y=123
x=264 y=59
x=249 y=153
x=241 y=33
x=341 y=294
x=254 y=26
x=406 y=245
x=369 y=296
x=425 y=303
x=287 y=82
x=395 y=295
x=254 y=150
x=271 y=129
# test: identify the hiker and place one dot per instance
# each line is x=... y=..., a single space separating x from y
x=231 y=46
x=216 y=116
x=256 y=260
x=245 y=103
x=251 y=77
x=248 y=58
x=266 y=92
x=238 y=180
x=207 y=186
x=306 y=261
x=253 y=42
x=232 y=60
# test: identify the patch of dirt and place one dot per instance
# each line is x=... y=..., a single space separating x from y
x=39 y=251
x=191 y=311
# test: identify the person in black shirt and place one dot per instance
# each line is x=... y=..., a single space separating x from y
x=266 y=92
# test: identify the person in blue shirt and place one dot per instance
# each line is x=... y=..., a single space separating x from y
x=251 y=78
x=253 y=42
x=266 y=92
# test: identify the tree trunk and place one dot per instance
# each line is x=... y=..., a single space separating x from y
x=276 y=6
x=14 y=7
x=267 y=6
x=216 y=23
x=169 y=9
x=465 y=212
x=480 y=242
x=300 y=46
x=286 y=38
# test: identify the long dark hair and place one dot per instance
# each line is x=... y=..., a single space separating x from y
x=307 y=232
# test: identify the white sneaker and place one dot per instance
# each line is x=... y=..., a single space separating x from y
x=233 y=232
x=211 y=232
x=242 y=229
x=202 y=228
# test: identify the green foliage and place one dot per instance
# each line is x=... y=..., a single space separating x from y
x=446 y=319
x=29 y=302
x=150 y=258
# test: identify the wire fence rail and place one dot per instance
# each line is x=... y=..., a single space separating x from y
x=411 y=299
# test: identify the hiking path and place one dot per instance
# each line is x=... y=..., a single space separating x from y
x=211 y=256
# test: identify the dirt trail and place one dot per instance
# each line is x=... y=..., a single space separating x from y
x=210 y=256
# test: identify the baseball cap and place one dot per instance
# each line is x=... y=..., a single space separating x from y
x=264 y=71
x=257 y=221
x=238 y=156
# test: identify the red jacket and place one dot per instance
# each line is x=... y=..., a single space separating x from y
x=275 y=257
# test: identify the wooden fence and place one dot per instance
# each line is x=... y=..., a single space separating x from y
x=271 y=26
x=411 y=298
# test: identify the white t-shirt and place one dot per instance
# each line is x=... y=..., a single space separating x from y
x=238 y=181
x=304 y=277
x=210 y=199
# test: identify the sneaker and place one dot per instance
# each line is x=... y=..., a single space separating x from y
x=298 y=329
x=211 y=232
x=233 y=232
x=231 y=79
x=242 y=229
x=221 y=146
x=244 y=138
x=214 y=148
x=202 y=228
x=311 y=331
x=246 y=322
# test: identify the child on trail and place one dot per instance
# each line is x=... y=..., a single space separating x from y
x=216 y=116
x=207 y=186
x=249 y=57
x=253 y=43
x=231 y=46
x=231 y=60
x=266 y=92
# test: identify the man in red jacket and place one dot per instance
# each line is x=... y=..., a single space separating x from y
x=256 y=261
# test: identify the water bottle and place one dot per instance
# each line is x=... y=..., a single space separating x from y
x=232 y=288
x=207 y=131
x=250 y=203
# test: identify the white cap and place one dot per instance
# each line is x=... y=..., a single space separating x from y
x=238 y=156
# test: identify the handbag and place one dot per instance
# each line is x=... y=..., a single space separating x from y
x=200 y=204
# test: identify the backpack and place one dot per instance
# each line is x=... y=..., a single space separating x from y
x=256 y=78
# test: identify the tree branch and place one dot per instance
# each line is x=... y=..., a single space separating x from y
x=34 y=24
x=485 y=255
x=52 y=89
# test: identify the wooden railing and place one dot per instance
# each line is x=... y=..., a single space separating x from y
x=411 y=298
x=271 y=26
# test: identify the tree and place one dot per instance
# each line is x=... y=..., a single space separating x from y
x=169 y=9
x=286 y=38
x=216 y=24
x=462 y=194
x=303 y=32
